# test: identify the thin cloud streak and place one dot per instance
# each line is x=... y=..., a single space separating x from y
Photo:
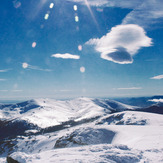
x=3 y=79
x=38 y=68
x=28 y=66
x=157 y=77
x=16 y=90
x=3 y=90
x=131 y=88
x=5 y=70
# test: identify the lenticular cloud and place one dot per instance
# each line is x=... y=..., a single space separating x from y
x=121 y=43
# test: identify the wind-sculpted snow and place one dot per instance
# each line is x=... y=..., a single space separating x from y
x=96 y=153
x=85 y=137
x=102 y=153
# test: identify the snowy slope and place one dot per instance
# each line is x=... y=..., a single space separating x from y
x=120 y=143
x=97 y=153
x=102 y=153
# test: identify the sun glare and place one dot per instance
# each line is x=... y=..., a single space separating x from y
x=90 y=10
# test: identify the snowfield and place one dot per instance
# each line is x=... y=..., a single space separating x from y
x=79 y=130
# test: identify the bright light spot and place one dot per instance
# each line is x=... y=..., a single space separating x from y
x=46 y=16
x=75 y=7
x=76 y=18
x=51 y=5
x=82 y=69
x=25 y=65
x=80 y=48
x=33 y=44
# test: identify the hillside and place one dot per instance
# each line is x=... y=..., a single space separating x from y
x=79 y=130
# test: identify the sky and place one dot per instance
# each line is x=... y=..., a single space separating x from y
x=71 y=48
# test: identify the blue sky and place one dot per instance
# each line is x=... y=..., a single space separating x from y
x=72 y=48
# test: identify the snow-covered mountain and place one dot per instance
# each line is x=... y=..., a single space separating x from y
x=79 y=130
x=154 y=108
x=48 y=112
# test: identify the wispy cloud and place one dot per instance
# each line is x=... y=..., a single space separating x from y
x=28 y=66
x=148 y=12
x=3 y=79
x=38 y=68
x=157 y=77
x=156 y=100
x=121 y=43
x=130 y=88
x=65 y=90
x=17 y=90
x=144 y=12
x=5 y=70
x=107 y=3
x=65 y=56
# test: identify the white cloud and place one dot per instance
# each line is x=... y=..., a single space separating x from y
x=5 y=70
x=157 y=77
x=130 y=88
x=121 y=43
x=65 y=56
x=156 y=100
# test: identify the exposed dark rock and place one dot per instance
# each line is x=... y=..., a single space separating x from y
x=11 y=160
